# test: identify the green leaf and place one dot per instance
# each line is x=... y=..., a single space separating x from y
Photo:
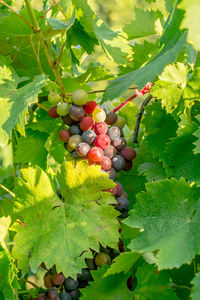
x=4 y=226
x=143 y=53
x=170 y=86
x=72 y=227
x=55 y=146
x=32 y=149
x=153 y=285
x=197 y=134
x=192 y=8
x=112 y=287
x=145 y=74
x=192 y=90
x=59 y=25
x=152 y=171
x=144 y=24
x=123 y=263
x=196 y=287
x=168 y=214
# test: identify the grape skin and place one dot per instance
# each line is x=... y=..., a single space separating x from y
x=52 y=294
x=90 y=106
x=120 y=143
x=74 y=141
x=82 y=149
x=88 y=136
x=114 y=133
x=99 y=115
x=112 y=173
x=118 y=162
x=128 y=153
x=102 y=141
x=87 y=123
x=53 y=98
x=105 y=163
x=58 y=279
x=75 y=294
x=100 y=128
x=76 y=112
x=63 y=109
x=79 y=97
x=95 y=154
x=122 y=203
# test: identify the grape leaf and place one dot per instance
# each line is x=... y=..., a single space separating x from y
x=168 y=212
x=123 y=263
x=143 y=53
x=74 y=227
x=112 y=287
x=153 y=285
x=197 y=134
x=59 y=25
x=192 y=90
x=196 y=287
x=55 y=146
x=31 y=149
x=147 y=73
x=152 y=171
x=4 y=226
x=144 y=24
x=170 y=86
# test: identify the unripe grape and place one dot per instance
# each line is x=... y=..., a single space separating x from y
x=63 y=109
x=120 y=122
x=53 y=98
x=102 y=258
x=74 y=141
x=99 y=115
x=79 y=97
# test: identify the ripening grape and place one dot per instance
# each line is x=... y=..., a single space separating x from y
x=63 y=109
x=114 y=133
x=48 y=280
x=100 y=128
x=128 y=153
x=87 y=123
x=79 y=97
x=111 y=118
x=67 y=146
x=75 y=294
x=52 y=294
x=74 y=141
x=75 y=130
x=95 y=154
x=58 y=279
x=102 y=258
x=76 y=112
x=42 y=297
x=119 y=189
x=102 y=141
x=53 y=98
x=99 y=115
x=68 y=120
x=64 y=135
x=128 y=165
x=110 y=151
x=112 y=173
x=118 y=162
x=65 y=296
x=82 y=149
x=70 y=284
x=52 y=112
x=88 y=136
x=122 y=203
x=105 y=163
x=120 y=122
x=90 y=106
x=120 y=143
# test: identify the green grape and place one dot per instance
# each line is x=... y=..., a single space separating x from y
x=53 y=98
x=120 y=122
x=99 y=115
x=79 y=97
x=74 y=141
x=102 y=258
x=63 y=109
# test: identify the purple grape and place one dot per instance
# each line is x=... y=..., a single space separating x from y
x=52 y=294
x=122 y=203
x=65 y=296
x=75 y=129
x=120 y=143
x=88 y=136
x=118 y=162
x=70 y=284
x=75 y=294
x=112 y=173
x=111 y=118
x=76 y=112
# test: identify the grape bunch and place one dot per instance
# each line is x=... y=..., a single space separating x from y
x=97 y=136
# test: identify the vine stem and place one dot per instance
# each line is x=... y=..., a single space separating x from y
x=45 y=47
x=7 y=190
x=146 y=89
x=40 y=105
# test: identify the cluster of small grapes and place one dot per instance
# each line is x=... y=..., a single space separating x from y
x=97 y=136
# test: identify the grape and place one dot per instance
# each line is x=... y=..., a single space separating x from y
x=90 y=263
x=102 y=258
x=120 y=122
x=95 y=154
x=99 y=115
x=53 y=98
x=75 y=130
x=85 y=275
x=87 y=123
x=105 y=163
x=70 y=284
x=130 y=283
x=112 y=173
x=122 y=203
x=90 y=106
x=110 y=151
x=102 y=141
x=119 y=189
x=68 y=120
x=128 y=165
x=64 y=135
x=79 y=97
x=112 y=191
x=63 y=109
x=120 y=143
x=42 y=297
x=65 y=296
x=67 y=146
x=118 y=162
x=52 y=294
x=52 y=112
x=76 y=112
x=124 y=194
x=74 y=141
x=100 y=128
x=74 y=154
x=114 y=133
x=128 y=153
x=58 y=278
x=82 y=149
x=88 y=136
x=111 y=118
x=48 y=280
x=124 y=214
x=75 y=294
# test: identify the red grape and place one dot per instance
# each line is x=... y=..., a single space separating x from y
x=105 y=163
x=64 y=135
x=110 y=151
x=82 y=149
x=87 y=123
x=128 y=153
x=119 y=189
x=90 y=106
x=102 y=141
x=95 y=154
x=58 y=278
x=100 y=128
x=52 y=112
x=128 y=165
x=111 y=118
